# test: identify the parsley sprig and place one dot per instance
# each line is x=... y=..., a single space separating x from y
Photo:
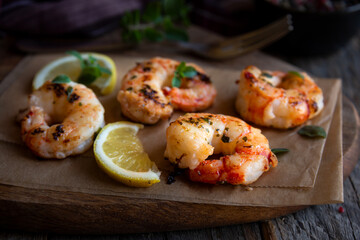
x=182 y=71
x=161 y=20
x=90 y=68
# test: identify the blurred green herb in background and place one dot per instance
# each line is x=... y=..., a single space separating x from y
x=160 y=20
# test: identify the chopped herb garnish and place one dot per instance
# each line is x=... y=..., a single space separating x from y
x=296 y=74
x=206 y=120
x=245 y=139
x=80 y=104
x=226 y=129
x=182 y=71
x=225 y=139
x=268 y=75
x=279 y=150
x=133 y=76
x=312 y=131
x=129 y=89
x=61 y=79
x=69 y=91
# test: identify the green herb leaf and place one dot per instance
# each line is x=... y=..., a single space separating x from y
x=78 y=56
x=312 y=131
x=61 y=79
x=89 y=75
x=152 y=12
x=91 y=68
x=105 y=70
x=181 y=67
x=206 y=120
x=268 y=75
x=167 y=23
x=182 y=71
x=69 y=91
x=160 y=20
x=136 y=17
x=92 y=60
x=153 y=35
x=176 y=82
x=189 y=72
x=296 y=74
x=136 y=36
x=279 y=150
x=172 y=7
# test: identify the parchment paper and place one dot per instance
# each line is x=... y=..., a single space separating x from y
x=297 y=169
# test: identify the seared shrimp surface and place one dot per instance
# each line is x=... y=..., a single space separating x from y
x=61 y=120
x=277 y=99
x=245 y=152
x=146 y=94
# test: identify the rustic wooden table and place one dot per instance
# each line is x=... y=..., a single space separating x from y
x=316 y=222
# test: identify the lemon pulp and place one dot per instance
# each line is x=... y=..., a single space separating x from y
x=122 y=143
x=119 y=152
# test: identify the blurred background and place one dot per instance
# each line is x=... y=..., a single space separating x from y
x=320 y=26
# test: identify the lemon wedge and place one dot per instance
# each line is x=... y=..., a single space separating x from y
x=119 y=152
x=70 y=66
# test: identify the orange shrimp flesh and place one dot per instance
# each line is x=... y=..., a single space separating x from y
x=146 y=94
x=276 y=99
x=244 y=152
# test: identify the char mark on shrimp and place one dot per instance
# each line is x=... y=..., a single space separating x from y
x=57 y=88
x=203 y=77
x=37 y=131
x=73 y=97
x=151 y=94
x=58 y=131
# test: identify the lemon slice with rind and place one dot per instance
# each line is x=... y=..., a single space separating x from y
x=70 y=66
x=119 y=152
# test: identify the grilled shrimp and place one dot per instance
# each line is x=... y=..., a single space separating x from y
x=61 y=120
x=277 y=99
x=241 y=152
x=146 y=94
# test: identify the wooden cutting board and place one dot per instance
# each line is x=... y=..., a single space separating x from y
x=74 y=212
x=69 y=212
